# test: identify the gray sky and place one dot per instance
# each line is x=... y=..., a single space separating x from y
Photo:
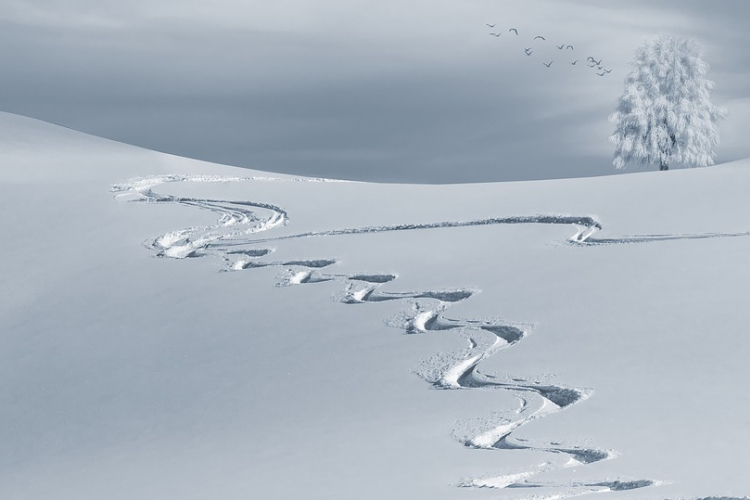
x=385 y=90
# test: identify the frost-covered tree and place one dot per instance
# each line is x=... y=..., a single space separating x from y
x=664 y=115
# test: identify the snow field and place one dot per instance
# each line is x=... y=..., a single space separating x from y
x=572 y=342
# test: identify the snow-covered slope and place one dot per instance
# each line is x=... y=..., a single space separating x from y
x=179 y=329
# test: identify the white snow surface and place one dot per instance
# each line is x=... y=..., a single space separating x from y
x=175 y=329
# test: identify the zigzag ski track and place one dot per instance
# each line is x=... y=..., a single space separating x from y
x=237 y=227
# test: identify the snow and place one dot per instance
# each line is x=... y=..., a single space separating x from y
x=355 y=340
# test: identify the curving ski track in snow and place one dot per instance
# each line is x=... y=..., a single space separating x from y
x=240 y=221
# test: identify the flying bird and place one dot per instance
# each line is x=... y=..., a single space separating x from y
x=548 y=65
x=574 y=62
x=598 y=63
x=601 y=74
x=569 y=47
x=539 y=36
x=513 y=29
x=560 y=46
x=495 y=34
x=490 y=25
x=528 y=52
x=607 y=71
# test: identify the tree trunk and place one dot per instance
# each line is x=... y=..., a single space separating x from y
x=663 y=166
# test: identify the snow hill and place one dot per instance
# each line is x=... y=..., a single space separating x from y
x=175 y=329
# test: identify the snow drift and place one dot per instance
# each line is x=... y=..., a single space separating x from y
x=298 y=337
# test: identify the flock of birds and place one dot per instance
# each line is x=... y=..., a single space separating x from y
x=591 y=61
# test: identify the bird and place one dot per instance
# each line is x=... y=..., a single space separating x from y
x=601 y=74
x=495 y=34
x=569 y=47
x=589 y=58
x=574 y=62
x=598 y=63
x=528 y=52
x=513 y=29
x=539 y=36
x=560 y=46
x=607 y=71
x=548 y=64
x=490 y=25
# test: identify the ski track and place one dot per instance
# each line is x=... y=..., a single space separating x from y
x=239 y=221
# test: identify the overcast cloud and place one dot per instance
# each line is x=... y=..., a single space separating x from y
x=387 y=90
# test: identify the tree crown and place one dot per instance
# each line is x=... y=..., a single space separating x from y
x=665 y=115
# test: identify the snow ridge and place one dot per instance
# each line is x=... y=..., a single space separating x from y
x=238 y=223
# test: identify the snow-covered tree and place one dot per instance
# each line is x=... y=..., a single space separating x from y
x=664 y=115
